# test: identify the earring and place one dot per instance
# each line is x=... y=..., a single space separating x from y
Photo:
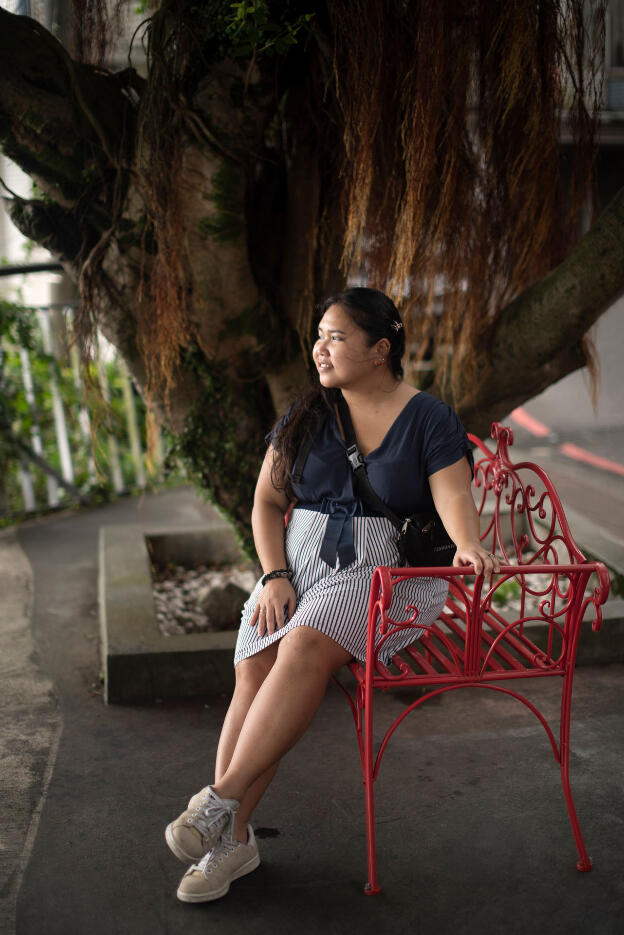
x=379 y=361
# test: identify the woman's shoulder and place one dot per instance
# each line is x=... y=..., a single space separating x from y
x=424 y=408
x=433 y=423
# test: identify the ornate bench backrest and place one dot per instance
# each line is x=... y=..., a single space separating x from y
x=522 y=516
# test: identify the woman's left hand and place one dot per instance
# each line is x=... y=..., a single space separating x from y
x=473 y=553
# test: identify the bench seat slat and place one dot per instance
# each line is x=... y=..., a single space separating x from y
x=420 y=660
x=457 y=624
x=436 y=651
x=524 y=647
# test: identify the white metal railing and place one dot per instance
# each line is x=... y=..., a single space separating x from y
x=73 y=437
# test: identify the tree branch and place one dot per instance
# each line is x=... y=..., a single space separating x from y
x=49 y=225
x=567 y=301
x=64 y=123
x=537 y=339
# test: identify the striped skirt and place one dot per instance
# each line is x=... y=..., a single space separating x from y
x=335 y=600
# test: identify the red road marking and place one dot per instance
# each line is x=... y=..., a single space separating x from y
x=569 y=450
x=580 y=454
x=531 y=424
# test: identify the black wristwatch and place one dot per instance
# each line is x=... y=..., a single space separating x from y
x=278 y=573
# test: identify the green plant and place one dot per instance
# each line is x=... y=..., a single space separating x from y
x=506 y=591
x=253 y=32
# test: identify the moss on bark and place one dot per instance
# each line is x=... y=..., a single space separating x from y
x=222 y=443
x=227 y=223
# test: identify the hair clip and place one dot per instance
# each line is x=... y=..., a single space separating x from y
x=397 y=325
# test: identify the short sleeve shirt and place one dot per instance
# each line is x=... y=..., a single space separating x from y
x=425 y=437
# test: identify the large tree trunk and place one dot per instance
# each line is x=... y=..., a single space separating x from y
x=262 y=242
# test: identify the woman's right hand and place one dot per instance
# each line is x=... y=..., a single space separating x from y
x=276 y=603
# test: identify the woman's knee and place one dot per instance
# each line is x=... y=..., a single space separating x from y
x=250 y=673
x=309 y=648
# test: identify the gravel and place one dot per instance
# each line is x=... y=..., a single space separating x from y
x=181 y=594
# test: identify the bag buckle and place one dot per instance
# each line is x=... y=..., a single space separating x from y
x=355 y=457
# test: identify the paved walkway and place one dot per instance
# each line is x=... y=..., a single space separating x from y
x=473 y=832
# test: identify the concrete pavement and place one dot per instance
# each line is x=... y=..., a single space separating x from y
x=30 y=724
x=595 y=496
x=473 y=832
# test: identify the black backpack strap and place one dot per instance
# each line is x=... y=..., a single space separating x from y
x=359 y=467
x=306 y=446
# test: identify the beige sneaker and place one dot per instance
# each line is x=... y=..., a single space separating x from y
x=199 y=828
x=211 y=877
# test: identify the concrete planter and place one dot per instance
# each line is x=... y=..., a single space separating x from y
x=139 y=663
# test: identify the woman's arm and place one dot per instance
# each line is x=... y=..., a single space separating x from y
x=267 y=522
x=452 y=496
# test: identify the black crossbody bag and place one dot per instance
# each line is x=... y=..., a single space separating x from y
x=422 y=540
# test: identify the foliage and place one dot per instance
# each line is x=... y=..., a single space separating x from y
x=16 y=328
x=253 y=32
x=507 y=591
x=24 y=418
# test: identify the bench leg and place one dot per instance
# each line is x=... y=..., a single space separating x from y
x=584 y=863
x=371 y=887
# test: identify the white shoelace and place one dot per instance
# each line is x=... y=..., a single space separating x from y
x=211 y=814
x=218 y=853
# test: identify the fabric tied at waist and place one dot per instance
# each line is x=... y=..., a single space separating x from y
x=338 y=538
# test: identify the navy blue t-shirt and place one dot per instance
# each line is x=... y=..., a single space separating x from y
x=425 y=437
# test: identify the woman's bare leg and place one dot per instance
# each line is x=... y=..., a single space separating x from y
x=250 y=674
x=282 y=709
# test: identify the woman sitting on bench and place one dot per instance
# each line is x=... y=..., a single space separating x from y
x=307 y=616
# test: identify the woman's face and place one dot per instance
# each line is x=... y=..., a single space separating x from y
x=343 y=355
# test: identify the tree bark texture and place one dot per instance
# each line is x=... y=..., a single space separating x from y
x=262 y=234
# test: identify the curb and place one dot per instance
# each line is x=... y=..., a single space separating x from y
x=139 y=663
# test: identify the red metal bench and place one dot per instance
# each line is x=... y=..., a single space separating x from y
x=475 y=643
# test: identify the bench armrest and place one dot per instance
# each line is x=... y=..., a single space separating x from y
x=385 y=578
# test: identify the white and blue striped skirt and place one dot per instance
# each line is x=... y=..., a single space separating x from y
x=335 y=600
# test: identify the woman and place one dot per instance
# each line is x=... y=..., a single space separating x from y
x=307 y=615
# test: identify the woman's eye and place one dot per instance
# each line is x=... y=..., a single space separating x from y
x=332 y=337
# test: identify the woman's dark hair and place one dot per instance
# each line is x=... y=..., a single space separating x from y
x=376 y=315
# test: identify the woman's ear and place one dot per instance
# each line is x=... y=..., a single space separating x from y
x=383 y=347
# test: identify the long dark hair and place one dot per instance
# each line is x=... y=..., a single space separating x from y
x=376 y=315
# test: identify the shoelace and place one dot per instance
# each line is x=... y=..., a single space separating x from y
x=221 y=850
x=211 y=814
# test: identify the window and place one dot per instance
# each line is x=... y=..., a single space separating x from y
x=615 y=56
